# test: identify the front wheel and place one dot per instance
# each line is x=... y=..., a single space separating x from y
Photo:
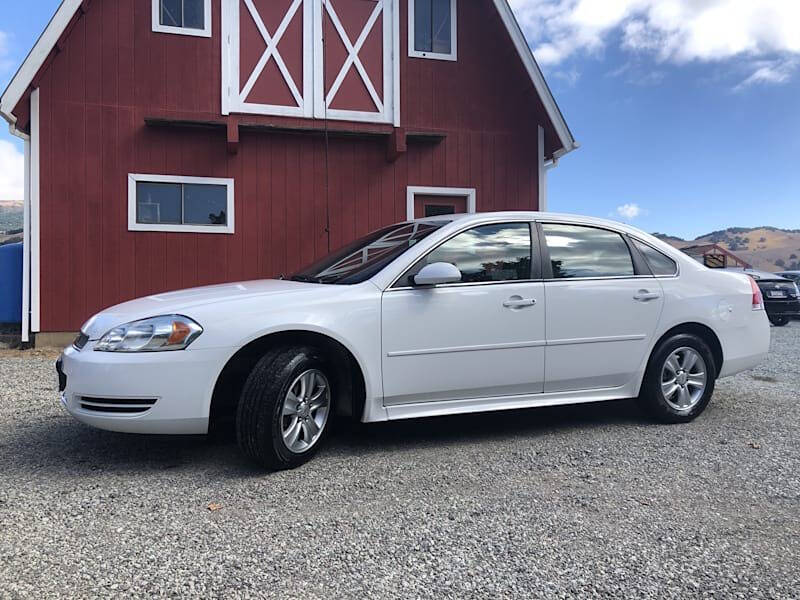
x=285 y=408
x=679 y=380
x=778 y=320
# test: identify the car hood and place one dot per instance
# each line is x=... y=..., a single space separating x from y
x=183 y=302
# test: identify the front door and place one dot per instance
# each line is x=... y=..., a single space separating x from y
x=601 y=315
x=479 y=338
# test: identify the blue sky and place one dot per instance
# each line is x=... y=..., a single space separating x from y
x=688 y=112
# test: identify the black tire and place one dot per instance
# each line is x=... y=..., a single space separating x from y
x=651 y=397
x=259 y=414
x=779 y=320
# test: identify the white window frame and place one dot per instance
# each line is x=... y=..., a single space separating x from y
x=159 y=28
x=414 y=190
x=133 y=225
x=453 y=55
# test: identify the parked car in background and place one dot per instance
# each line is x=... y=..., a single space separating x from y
x=781 y=296
x=443 y=315
x=793 y=275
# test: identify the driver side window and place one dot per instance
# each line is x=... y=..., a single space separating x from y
x=488 y=253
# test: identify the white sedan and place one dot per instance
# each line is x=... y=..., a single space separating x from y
x=444 y=315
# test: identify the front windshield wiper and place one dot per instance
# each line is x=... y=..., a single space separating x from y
x=306 y=279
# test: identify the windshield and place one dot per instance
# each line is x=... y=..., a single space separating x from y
x=363 y=258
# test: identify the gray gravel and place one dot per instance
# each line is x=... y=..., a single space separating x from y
x=586 y=501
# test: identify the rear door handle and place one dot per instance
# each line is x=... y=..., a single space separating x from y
x=646 y=296
x=517 y=302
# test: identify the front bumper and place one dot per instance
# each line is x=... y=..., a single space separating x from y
x=155 y=392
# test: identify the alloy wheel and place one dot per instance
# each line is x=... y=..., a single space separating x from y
x=305 y=411
x=683 y=379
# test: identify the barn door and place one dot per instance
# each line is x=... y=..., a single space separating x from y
x=356 y=65
x=330 y=59
x=268 y=57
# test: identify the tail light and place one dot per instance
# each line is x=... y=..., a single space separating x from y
x=758 y=299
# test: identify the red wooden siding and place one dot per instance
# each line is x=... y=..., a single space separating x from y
x=113 y=72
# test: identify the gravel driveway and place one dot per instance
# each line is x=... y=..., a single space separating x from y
x=583 y=501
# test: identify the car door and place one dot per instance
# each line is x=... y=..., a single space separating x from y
x=479 y=338
x=603 y=306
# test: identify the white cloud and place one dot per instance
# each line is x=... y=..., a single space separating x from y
x=570 y=76
x=629 y=211
x=671 y=30
x=12 y=172
x=770 y=71
x=6 y=63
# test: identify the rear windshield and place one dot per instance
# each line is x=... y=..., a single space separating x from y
x=365 y=257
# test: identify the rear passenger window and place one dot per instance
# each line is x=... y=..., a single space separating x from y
x=577 y=251
x=660 y=264
x=497 y=252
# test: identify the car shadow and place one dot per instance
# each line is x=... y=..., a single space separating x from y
x=60 y=444
x=476 y=428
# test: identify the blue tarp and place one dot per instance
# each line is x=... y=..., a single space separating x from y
x=11 y=283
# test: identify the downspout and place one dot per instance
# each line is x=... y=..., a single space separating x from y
x=35 y=190
x=546 y=166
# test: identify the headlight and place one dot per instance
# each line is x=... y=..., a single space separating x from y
x=157 y=334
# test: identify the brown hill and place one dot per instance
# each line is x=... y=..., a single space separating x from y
x=766 y=248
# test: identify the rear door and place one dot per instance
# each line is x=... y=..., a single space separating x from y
x=478 y=338
x=603 y=306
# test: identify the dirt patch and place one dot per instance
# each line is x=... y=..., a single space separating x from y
x=765 y=378
x=53 y=353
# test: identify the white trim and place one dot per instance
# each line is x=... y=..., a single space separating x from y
x=568 y=143
x=413 y=190
x=134 y=178
x=35 y=193
x=26 y=246
x=159 y=28
x=453 y=54
x=542 y=172
x=396 y=63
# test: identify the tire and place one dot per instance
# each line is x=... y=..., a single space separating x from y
x=779 y=320
x=657 y=397
x=275 y=383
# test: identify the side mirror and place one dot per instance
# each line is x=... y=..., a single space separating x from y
x=437 y=273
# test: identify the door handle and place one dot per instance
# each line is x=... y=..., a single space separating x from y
x=646 y=296
x=517 y=302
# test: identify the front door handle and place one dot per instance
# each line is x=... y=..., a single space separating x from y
x=518 y=302
x=646 y=296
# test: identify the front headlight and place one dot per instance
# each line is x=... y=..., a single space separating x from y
x=156 y=334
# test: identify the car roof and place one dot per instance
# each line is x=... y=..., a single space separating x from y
x=466 y=218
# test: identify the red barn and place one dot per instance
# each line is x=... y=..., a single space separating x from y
x=177 y=143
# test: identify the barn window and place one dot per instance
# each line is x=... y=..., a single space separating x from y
x=432 y=29
x=184 y=17
x=181 y=204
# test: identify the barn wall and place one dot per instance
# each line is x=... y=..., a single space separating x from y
x=113 y=72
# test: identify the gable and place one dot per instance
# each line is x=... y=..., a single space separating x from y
x=70 y=10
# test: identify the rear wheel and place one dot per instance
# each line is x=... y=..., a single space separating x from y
x=679 y=380
x=778 y=320
x=284 y=412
